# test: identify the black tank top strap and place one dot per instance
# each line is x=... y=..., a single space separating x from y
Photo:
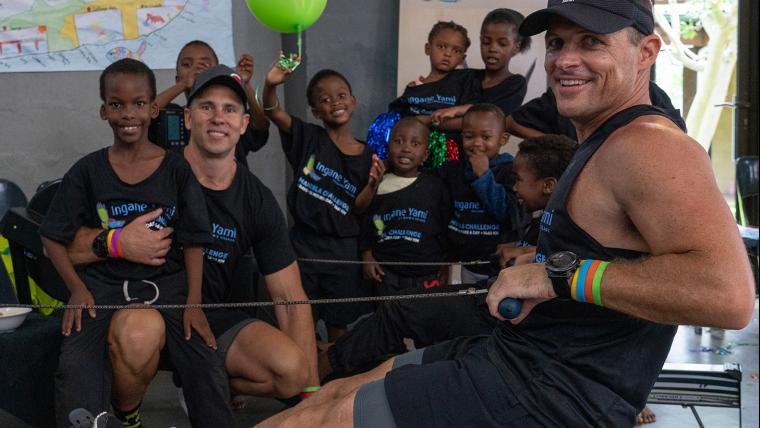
x=597 y=138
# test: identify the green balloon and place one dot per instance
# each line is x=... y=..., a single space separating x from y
x=287 y=16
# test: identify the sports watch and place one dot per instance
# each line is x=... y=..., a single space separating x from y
x=100 y=245
x=560 y=267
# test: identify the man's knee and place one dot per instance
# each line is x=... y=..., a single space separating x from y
x=136 y=336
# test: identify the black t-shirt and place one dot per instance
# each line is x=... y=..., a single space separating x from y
x=473 y=232
x=541 y=113
x=424 y=99
x=409 y=225
x=507 y=95
x=92 y=195
x=243 y=216
x=326 y=181
x=252 y=140
x=602 y=363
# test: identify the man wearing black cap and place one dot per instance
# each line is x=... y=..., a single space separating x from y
x=260 y=359
x=635 y=239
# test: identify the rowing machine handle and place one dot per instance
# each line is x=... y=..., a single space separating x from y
x=509 y=308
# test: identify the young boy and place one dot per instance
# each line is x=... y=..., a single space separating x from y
x=538 y=165
x=107 y=189
x=196 y=56
x=480 y=185
x=499 y=43
x=335 y=175
x=407 y=218
x=447 y=47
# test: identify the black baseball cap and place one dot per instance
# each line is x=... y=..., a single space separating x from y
x=598 y=16
x=219 y=75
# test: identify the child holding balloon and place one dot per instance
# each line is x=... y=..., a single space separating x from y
x=335 y=175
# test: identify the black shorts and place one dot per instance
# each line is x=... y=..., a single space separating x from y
x=327 y=281
x=466 y=391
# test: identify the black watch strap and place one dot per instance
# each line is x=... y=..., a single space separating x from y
x=561 y=285
x=100 y=246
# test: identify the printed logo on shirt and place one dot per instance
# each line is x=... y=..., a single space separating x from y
x=308 y=170
x=224 y=233
x=412 y=214
x=405 y=234
x=316 y=171
x=116 y=214
x=379 y=224
x=546 y=221
x=467 y=206
x=475 y=229
x=215 y=256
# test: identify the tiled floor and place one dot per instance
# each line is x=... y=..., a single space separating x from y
x=161 y=408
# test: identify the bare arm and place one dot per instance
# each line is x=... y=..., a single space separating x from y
x=164 y=98
x=698 y=272
x=244 y=68
x=270 y=103
x=364 y=198
x=139 y=244
x=194 y=318
x=80 y=295
x=168 y=95
x=294 y=320
x=518 y=130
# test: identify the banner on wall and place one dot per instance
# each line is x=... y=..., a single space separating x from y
x=78 y=35
x=417 y=17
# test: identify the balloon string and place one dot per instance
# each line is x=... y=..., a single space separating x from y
x=288 y=61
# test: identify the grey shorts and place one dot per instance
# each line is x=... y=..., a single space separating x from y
x=224 y=342
x=371 y=408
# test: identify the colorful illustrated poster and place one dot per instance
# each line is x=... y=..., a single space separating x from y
x=77 y=35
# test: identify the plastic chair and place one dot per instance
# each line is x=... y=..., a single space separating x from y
x=10 y=196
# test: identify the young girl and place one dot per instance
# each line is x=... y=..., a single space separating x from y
x=407 y=219
x=334 y=175
x=499 y=43
x=447 y=48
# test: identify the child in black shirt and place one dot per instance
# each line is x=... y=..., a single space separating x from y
x=480 y=185
x=196 y=56
x=334 y=176
x=443 y=87
x=109 y=188
x=499 y=43
x=538 y=165
x=407 y=218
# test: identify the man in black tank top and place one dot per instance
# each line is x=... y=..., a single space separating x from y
x=639 y=205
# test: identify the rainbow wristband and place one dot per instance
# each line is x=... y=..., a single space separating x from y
x=312 y=389
x=114 y=246
x=586 y=283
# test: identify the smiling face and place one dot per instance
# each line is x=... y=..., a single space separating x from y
x=498 y=44
x=532 y=190
x=216 y=118
x=128 y=107
x=407 y=148
x=332 y=101
x=590 y=73
x=483 y=132
x=447 y=50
